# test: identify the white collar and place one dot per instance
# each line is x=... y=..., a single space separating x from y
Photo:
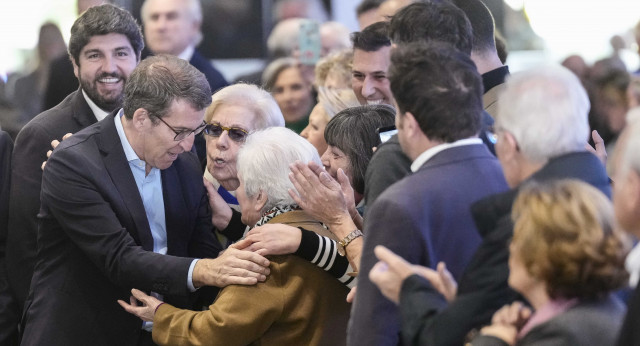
x=187 y=53
x=98 y=112
x=431 y=152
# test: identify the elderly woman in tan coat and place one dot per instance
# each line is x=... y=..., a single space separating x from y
x=298 y=304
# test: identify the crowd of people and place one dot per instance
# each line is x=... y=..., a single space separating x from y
x=158 y=204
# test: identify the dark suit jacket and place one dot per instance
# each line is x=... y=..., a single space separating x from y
x=94 y=242
x=630 y=333
x=216 y=82
x=589 y=323
x=34 y=140
x=8 y=307
x=424 y=218
x=483 y=288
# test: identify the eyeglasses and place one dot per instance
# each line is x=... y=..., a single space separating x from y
x=235 y=133
x=180 y=135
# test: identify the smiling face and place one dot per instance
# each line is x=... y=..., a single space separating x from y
x=102 y=68
x=168 y=26
x=293 y=94
x=369 y=76
x=222 y=151
x=314 y=132
x=159 y=149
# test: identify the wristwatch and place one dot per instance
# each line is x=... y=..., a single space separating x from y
x=342 y=245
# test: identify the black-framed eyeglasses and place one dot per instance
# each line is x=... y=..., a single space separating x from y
x=180 y=135
x=235 y=133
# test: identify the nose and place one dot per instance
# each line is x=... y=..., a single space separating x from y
x=368 y=87
x=109 y=64
x=222 y=142
x=187 y=142
x=325 y=159
x=305 y=133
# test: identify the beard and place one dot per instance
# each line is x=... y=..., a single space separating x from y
x=109 y=100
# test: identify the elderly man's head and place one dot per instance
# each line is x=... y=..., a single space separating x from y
x=105 y=47
x=626 y=177
x=170 y=26
x=543 y=114
x=439 y=95
x=165 y=100
x=263 y=169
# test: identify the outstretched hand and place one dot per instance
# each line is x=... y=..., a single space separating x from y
x=147 y=310
x=233 y=267
x=274 y=239
x=600 y=150
x=54 y=145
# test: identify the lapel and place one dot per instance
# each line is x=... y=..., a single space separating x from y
x=82 y=113
x=118 y=168
x=175 y=208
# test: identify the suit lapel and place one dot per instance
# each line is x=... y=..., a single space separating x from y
x=118 y=168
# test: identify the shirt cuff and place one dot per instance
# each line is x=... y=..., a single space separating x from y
x=190 y=276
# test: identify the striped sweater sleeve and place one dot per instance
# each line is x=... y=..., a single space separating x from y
x=323 y=252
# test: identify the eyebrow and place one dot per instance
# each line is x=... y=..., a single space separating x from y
x=97 y=50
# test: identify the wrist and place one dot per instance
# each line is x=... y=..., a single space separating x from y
x=156 y=309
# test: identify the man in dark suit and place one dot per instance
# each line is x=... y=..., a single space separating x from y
x=173 y=27
x=542 y=133
x=425 y=217
x=123 y=205
x=103 y=59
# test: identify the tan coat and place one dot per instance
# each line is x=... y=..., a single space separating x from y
x=298 y=304
x=490 y=100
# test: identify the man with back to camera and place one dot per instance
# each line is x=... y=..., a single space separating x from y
x=104 y=48
x=425 y=217
x=123 y=205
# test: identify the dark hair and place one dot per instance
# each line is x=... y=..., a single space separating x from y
x=432 y=21
x=367 y=5
x=102 y=20
x=159 y=80
x=440 y=86
x=372 y=38
x=482 y=24
x=353 y=130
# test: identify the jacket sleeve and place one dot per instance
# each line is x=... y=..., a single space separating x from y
x=239 y=316
x=322 y=252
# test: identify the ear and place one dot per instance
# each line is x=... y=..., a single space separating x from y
x=410 y=125
x=76 y=69
x=261 y=200
x=632 y=184
x=509 y=147
x=141 y=120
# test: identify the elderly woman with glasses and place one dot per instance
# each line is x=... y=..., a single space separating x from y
x=235 y=112
x=298 y=304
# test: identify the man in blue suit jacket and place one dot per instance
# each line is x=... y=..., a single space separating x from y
x=425 y=217
x=123 y=205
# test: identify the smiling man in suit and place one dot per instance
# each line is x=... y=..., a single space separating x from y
x=123 y=205
x=104 y=48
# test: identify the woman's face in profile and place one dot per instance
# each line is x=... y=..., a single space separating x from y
x=314 y=132
x=519 y=277
x=334 y=159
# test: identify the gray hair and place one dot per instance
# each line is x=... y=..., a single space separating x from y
x=546 y=110
x=264 y=159
x=273 y=70
x=262 y=104
x=102 y=20
x=159 y=80
x=334 y=101
x=194 y=10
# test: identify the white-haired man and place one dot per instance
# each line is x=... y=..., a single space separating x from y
x=542 y=130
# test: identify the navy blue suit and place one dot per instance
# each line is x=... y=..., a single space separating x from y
x=424 y=218
x=94 y=241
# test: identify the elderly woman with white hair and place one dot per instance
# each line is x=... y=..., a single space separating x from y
x=235 y=112
x=298 y=304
